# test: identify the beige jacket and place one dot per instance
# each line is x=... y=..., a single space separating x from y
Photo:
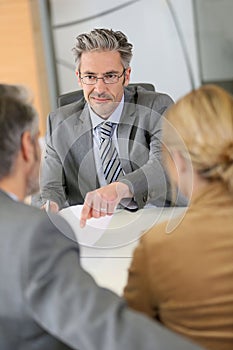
x=185 y=278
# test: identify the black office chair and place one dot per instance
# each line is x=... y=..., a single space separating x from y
x=73 y=96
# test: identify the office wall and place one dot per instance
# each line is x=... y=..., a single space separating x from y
x=21 y=59
x=150 y=25
x=155 y=27
x=215 y=41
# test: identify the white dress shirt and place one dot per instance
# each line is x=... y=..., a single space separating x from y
x=96 y=121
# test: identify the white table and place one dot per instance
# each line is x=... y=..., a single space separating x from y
x=107 y=245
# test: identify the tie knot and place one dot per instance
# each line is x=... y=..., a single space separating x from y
x=106 y=130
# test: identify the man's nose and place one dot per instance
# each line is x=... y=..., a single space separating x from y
x=100 y=86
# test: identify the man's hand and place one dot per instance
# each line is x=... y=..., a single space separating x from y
x=50 y=206
x=103 y=201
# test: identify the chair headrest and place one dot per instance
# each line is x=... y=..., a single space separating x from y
x=74 y=96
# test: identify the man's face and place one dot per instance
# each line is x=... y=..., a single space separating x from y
x=33 y=175
x=103 y=98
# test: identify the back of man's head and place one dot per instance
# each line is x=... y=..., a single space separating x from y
x=15 y=118
x=20 y=92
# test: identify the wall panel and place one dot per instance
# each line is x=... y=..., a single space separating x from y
x=21 y=59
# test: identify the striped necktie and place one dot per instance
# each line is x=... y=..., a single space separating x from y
x=111 y=164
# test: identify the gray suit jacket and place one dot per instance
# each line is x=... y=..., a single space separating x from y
x=48 y=302
x=68 y=168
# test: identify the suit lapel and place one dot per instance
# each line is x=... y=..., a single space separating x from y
x=127 y=121
x=84 y=154
x=83 y=150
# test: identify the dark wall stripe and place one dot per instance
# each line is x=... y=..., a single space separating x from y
x=101 y=14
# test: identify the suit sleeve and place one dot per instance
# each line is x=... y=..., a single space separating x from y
x=66 y=302
x=52 y=181
x=149 y=183
x=137 y=291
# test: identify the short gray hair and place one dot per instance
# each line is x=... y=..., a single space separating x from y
x=103 y=40
x=16 y=117
x=20 y=92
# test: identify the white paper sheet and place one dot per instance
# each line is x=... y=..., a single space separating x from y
x=114 y=231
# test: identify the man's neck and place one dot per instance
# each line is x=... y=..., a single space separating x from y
x=13 y=187
x=113 y=117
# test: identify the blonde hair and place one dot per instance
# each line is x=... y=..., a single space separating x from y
x=203 y=119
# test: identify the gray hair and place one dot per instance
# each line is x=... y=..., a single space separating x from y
x=103 y=40
x=20 y=92
x=16 y=117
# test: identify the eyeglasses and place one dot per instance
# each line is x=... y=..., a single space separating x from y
x=110 y=78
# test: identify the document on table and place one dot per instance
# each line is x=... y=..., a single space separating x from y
x=120 y=229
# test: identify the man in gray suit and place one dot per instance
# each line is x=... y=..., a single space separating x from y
x=73 y=169
x=48 y=301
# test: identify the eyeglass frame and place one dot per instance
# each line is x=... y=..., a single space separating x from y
x=103 y=77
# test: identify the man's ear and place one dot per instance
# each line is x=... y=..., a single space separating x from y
x=26 y=146
x=127 y=76
x=78 y=77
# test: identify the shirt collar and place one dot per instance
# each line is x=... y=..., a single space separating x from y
x=114 y=117
x=11 y=195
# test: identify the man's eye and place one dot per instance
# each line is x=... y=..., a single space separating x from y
x=110 y=76
x=90 y=77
